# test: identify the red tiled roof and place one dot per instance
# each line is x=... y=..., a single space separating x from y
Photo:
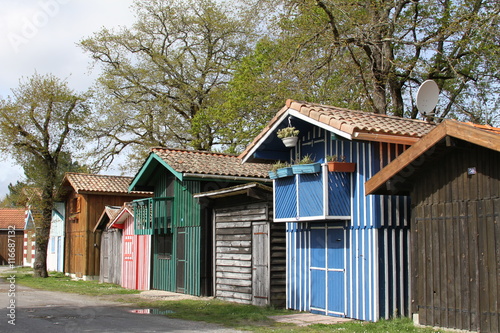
x=200 y=162
x=12 y=217
x=83 y=182
x=350 y=122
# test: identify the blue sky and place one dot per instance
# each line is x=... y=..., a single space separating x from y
x=41 y=36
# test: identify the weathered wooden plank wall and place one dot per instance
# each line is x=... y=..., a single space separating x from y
x=111 y=256
x=249 y=255
x=456 y=241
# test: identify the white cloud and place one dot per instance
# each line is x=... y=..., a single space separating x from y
x=42 y=36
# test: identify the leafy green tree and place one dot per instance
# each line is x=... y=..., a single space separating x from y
x=381 y=51
x=39 y=125
x=163 y=77
x=16 y=197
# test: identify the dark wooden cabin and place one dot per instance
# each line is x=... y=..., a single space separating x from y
x=85 y=196
x=453 y=177
x=249 y=249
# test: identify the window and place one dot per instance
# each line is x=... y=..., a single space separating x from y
x=52 y=245
x=164 y=245
x=76 y=205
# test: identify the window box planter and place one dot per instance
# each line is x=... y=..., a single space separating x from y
x=306 y=168
x=284 y=172
x=273 y=175
x=341 y=167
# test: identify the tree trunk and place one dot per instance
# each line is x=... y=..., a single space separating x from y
x=42 y=240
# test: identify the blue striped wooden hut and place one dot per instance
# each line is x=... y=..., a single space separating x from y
x=347 y=253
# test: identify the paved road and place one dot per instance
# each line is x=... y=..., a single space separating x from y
x=46 y=311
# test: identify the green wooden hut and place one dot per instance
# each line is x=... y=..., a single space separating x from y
x=181 y=227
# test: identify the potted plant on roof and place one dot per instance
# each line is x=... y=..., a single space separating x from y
x=289 y=136
x=306 y=165
x=280 y=170
x=338 y=164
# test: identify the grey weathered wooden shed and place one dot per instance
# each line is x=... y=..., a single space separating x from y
x=110 y=247
x=249 y=249
x=453 y=177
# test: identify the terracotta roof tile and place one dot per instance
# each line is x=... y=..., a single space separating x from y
x=83 y=182
x=351 y=121
x=200 y=162
x=12 y=217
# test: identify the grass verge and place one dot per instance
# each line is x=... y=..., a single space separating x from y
x=231 y=315
x=59 y=282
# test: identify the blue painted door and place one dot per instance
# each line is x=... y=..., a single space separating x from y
x=60 y=254
x=328 y=270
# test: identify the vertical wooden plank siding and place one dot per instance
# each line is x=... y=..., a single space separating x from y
x=136 y=258
x=285 y=202
x=297 y=266
x=18 y=240
x=187 y=217
x=111 y=257
x=456 y=241
x=310 y=199
x=377 y=243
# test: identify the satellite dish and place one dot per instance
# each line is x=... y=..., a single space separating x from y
x=427 y=97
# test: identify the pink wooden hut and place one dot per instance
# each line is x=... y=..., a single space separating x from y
x=136 y=251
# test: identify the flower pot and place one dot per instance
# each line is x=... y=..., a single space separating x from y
x=284 y=172
x=306 y=168
x=273 y=175
x=290 y=141
x=341 y=167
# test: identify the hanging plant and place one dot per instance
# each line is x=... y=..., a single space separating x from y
x=289 y=136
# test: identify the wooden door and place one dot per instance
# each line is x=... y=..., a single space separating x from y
x=260 y=264
x=328 y=270
x=181 y=260
x=105 y=260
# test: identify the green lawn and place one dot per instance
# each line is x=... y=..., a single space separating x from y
x=59 y=282
x=237 y=316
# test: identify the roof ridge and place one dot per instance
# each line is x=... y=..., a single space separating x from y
x=95 y=174
x=204 y=152
x=322 y=106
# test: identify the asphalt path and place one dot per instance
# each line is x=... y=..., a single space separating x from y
x=30 y=310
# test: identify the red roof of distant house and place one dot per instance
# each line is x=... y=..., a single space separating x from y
x=12 y=217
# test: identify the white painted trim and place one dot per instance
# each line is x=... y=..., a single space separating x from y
x=326 y=204
x=318 y=219
x=266 y=135
x=300 y=116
